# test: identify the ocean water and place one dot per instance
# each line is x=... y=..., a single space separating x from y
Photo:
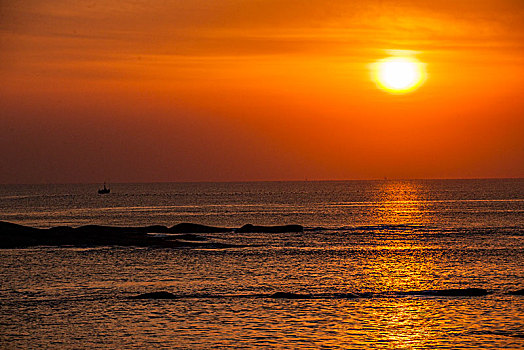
x=369 y=253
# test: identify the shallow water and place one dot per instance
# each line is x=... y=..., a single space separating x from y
x=370 y=243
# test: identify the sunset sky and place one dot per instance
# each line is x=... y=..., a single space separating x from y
x=239 y=90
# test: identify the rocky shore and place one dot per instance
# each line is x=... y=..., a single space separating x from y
x=178 y=236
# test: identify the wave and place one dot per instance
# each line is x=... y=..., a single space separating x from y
x=367 y=228
x=35 y=298
x=453 y=292
x=499 y=332
x=416 y=229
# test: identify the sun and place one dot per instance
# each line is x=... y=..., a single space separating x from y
x=399 y=74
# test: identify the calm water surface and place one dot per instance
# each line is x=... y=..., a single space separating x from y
x=375 y=238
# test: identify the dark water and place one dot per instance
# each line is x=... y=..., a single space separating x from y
x=377 y=240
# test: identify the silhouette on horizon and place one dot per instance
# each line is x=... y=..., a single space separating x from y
x=104 y=190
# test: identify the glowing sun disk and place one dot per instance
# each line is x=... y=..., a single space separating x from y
x=398 y=75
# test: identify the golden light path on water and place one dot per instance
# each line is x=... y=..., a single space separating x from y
x=401 y=265
x=402 y=204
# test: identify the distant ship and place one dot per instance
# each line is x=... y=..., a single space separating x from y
x=104 y=190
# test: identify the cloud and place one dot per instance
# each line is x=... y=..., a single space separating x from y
x=254 y=27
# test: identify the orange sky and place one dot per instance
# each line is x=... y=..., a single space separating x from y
x=205 y=90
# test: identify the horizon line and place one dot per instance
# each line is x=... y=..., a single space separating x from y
x=262 y=181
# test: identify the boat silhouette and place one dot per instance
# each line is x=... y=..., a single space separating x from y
x=104 y=190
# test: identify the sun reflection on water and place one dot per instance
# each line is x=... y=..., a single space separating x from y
x=402 y=202
x=400 y=260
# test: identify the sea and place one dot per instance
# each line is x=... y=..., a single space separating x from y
x=365 y=267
